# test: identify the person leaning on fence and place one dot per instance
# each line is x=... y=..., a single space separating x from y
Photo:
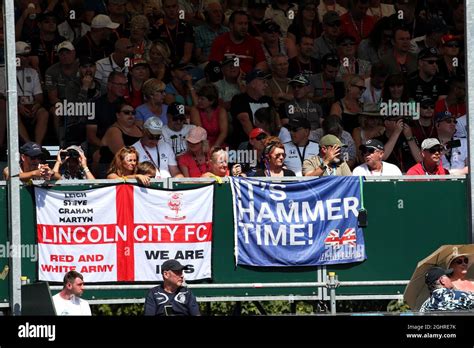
x=124 y=165
x=69 y=301
x=372 y=151
x=71 y=163
x=443 y=295
x=171 y=297
x=273 y=157
x=329 y=161
x=431 y=152
x=31 y=164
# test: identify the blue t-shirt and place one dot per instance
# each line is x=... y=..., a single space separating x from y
x=144 y=113
x=178 y=98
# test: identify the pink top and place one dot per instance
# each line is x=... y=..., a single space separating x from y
x=195 y=171
x=210 y=125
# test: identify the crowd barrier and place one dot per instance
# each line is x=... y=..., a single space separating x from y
x=407 y=220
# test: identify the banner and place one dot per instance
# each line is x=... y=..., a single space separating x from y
x=124 y=232
x=304 y=223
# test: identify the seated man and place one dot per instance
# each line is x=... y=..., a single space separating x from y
x=372 y=151
x=443 y=295
x=329 y=161
x=431 y=152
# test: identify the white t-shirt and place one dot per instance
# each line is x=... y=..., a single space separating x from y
x=458 y=156
x=296 y=155
x=177 y=140
x=28 y=84
x=388 y=169
x=371 y=94
x=167 y=157
x=74 y=306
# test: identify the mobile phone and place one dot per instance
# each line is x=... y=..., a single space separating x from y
x=453 y=144
x=169 y=310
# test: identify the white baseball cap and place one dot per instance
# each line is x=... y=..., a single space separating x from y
x=154 y=125
x=103 y=21
x=22 y=48
x=65 y=45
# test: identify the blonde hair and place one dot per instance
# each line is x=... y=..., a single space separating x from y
x=116 y=166
x=162 y=48
x=146 y=168
x=151 y=86
x=139 y=21
x=350 y=79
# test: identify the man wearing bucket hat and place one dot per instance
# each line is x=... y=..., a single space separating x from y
x=431 y=152
x=329 y=161
x=443 y=295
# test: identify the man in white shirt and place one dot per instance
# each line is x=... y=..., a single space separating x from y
x=174 y=133
x=373 y=151
x=69 y=301
x=300 y=147
x=153 y=149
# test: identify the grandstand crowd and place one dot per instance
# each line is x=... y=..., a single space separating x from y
x=175 y=88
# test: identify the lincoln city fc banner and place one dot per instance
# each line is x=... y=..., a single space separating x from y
x=304 y=223
x=124 y=232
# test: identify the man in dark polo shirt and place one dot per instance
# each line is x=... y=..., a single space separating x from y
x=244 y=106
x=426 y=82
x=171 y=297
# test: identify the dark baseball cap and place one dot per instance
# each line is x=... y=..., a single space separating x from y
x=269 y=26
x=428 y=52
x=331 y=17
x=257 y=74
x=443 y=115
x=228 y=60
x=299 y=122
x=372 y=143
x=213 y=70
x=31 y=149
x=172 y=265
x=435 y=273
x=257 y=4
x=344 y=38
x=299 y=79
x=426 y=101
x=86 y=60
x=176 y=109
x=331 y=59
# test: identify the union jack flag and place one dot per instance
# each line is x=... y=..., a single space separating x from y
x=348 y=237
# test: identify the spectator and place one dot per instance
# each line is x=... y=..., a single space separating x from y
x=118 y=14
x=56 y=79
x=326 y=43
x=97 y=42
x=238 y=43
x=119 y=61
x=154 y=91
x=300 y=147
x=372 y=152
x=25 y=23
x=378 y=10
x=33 y=117
x=72 y=28
x=303 y=63
x=124 y=132
x=71 y=163
x=195 y=162
x=158 y=59
x=332 y=125
x=455 y=101
x=139 y=28
x=452 y=62
x=350 y=64
x=31 y=164
x=273 y=157
x=180 y=89
x=69 y=301
x=282 y=12
x=443 y=295
x=278 y=87
x=175 y=132
x=432 y=35
x=300 y=106
x=395 y=89
x=147 y=168
x=374 y=84
x=427 y=82
x=82 y=89
x=431 y=152
x=212 y=73
x=151 y=148
x=371 y=126
x=171 y=297
x=218 y=164
x=244 y=106
x=305 y=23
x=231 y=84
x=329 y=161
x=177 y=34
x=207 y=32
x=323 y=83
x=268 y=120
x=349 y=107
x=273 y=44
x=378 y=43
x=356 y=22
x=124 y=165
x=326 y=6
x=256 y=10
x=459 y=263
x=400 y=60
x=139 y=72
x=456 y=155
x=256 y=139
x=210 y=116
x=424 y=127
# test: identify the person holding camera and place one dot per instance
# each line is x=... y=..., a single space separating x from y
x=455 y=156
x=32 y=164
x=71 y=163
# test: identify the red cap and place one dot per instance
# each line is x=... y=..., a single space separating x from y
x=256 y=132
x=448 y=38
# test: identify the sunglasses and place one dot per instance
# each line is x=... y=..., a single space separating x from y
x=361 y=88
x=451 y=120
x=153 y=136
x=461 y=261
x=426 y=106
x=431 y=62
x=436 y=149
x=452 y=44
x=278 y=155
x=179 y=119
x=128 y=112
x=369 y=150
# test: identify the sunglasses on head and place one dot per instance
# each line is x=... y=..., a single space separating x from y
x=461 y=261
x=128 y=112
x=436 y=149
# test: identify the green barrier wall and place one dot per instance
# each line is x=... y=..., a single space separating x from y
x=407 y=220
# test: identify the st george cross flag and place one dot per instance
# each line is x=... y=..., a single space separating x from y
x=124 y=232
x=304 y=223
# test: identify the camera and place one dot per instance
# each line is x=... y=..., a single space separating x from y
x=453 y=144
x=71 y=153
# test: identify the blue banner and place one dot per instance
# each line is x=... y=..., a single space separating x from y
x=306 y=223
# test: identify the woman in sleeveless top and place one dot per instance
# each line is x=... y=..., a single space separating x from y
x=122 y=133
x=210 y=116
x=349 y=107
x=460 y=264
